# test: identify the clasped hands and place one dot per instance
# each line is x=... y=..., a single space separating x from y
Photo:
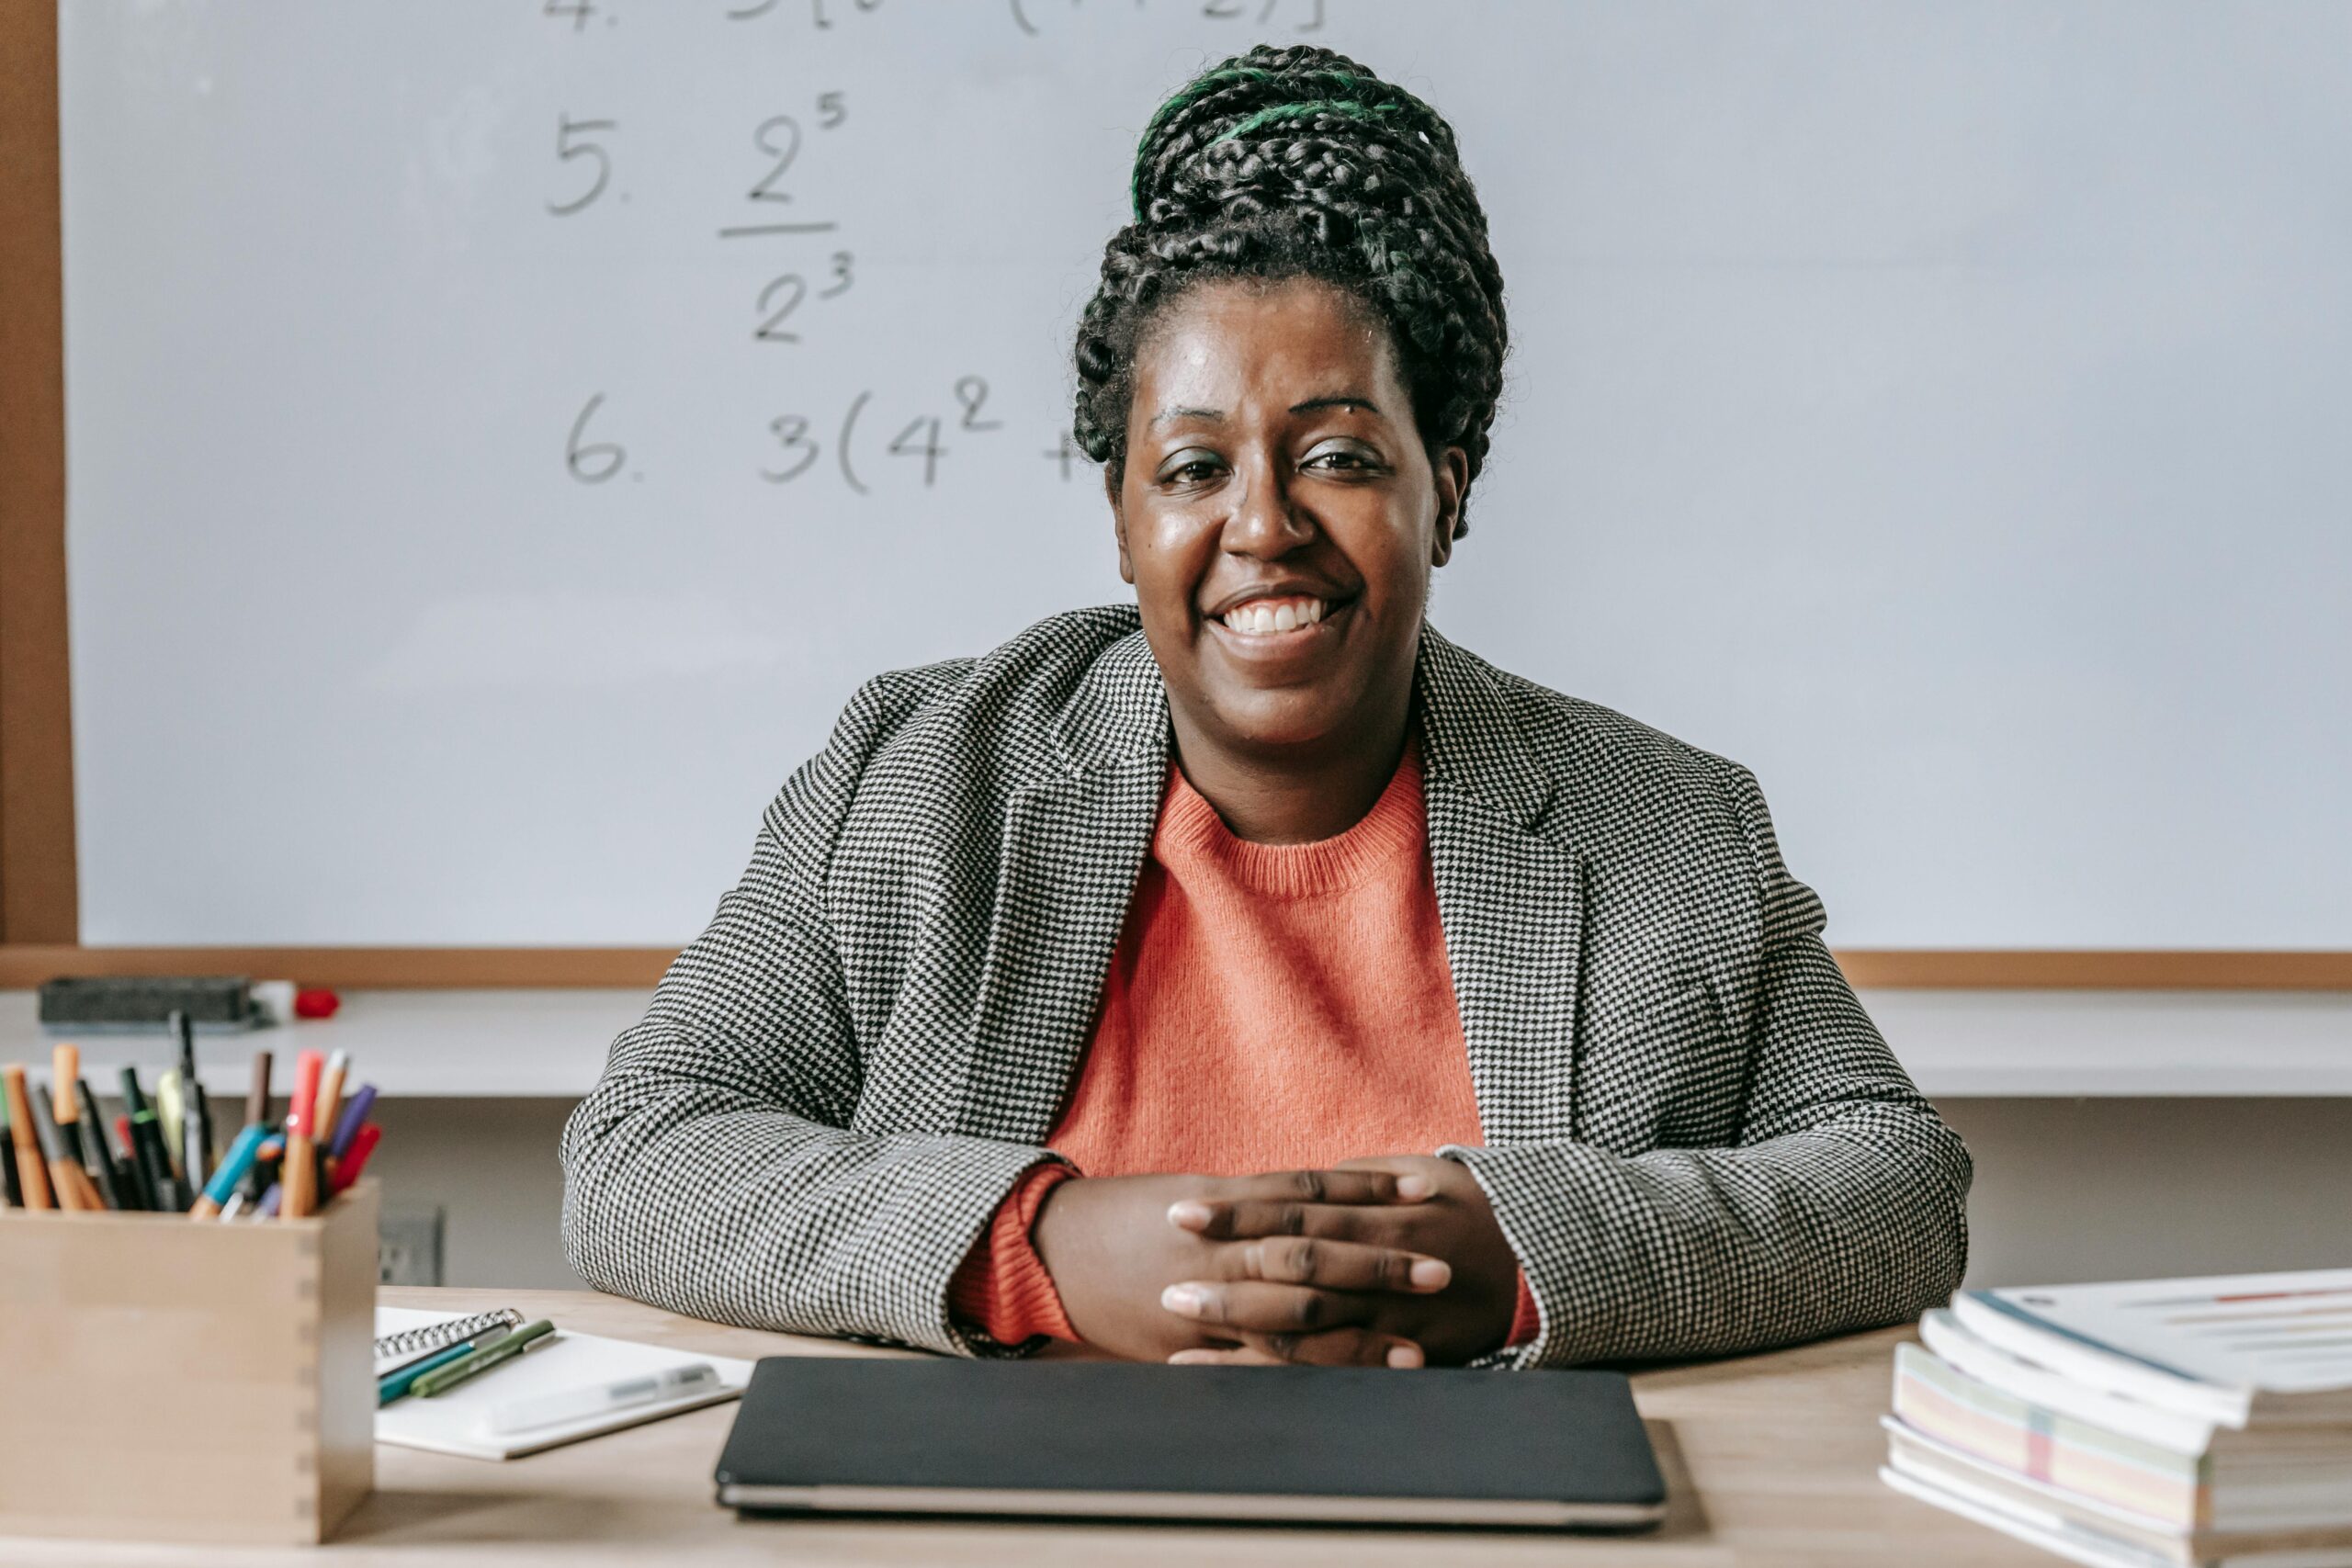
x=1377 y=1262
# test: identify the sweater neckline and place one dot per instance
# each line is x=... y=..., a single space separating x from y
x=1192 y=835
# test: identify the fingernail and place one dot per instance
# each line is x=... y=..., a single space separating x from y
x=1193 y=1357
x=1404 y=1355
x=1186 y=1299
x=1409 y=1187
x=1430 y=1273
x=1188 y=1216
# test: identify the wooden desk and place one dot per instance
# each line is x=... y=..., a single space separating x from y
x=1772 y=1460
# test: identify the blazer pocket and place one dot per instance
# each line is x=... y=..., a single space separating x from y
x=1668 y=1078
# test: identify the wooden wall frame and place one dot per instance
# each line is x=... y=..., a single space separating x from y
x=39 y=920
x=38 y=896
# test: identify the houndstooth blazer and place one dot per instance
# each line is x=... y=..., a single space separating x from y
x=1695 y=1140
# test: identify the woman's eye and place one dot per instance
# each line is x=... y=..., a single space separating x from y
x=1338 y=459
x=1190 y=470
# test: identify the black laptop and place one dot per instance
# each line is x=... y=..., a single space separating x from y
x=1547 y=1449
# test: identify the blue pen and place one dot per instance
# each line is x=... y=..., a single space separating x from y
x=230 y=1173
x=395 y=1385
x=355 y=1111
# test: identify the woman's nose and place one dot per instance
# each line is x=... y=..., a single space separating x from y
x=1266 y=520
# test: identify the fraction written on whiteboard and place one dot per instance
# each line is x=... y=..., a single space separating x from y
x=798 y=440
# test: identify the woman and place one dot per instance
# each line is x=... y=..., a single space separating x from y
x=1253 y=975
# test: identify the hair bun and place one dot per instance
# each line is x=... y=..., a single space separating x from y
x=1198 y=139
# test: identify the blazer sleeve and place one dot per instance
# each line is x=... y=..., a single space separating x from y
x=1841 y=1206
x=712 y=1170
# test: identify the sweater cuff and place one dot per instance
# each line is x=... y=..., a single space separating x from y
x=1001 y=1287
x=1526 y=1318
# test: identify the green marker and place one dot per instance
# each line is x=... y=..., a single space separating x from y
x=396 y=1385
x=441 y=1379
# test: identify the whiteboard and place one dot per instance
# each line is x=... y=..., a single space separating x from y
x=501 y=434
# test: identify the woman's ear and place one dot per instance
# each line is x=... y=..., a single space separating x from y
x=1450 y=475
x=1118 y=521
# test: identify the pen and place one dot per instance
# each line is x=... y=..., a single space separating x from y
x=66 y=1176
x=580 y=1403
x=232 y=1171
x=444 y=1379
x=96 y=1157
x=298 y=1173
x=347 y=1170
x=32 y=1176
x=355 y=1113
x=134 y=1171
x=328 y=1106
x=170 y=1113
x=257 y=1096
x=147 y=1150
x=396 y=1385
x=197 y=1157
x=263 y=1176
x=65 y=1109
x=197 y=1123
x=11 y=1189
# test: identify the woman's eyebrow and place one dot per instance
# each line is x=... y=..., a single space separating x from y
x=1166 y=415
x=1338 y=400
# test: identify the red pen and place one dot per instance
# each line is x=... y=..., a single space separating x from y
x=355 y=1160
x=299 y=1173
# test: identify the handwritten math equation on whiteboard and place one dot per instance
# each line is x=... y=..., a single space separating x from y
x=875 y=438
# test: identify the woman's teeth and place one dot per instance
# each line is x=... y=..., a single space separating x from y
x=1274 y=615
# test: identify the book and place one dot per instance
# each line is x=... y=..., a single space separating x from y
x=2238 y=1480
x=2083 y=1531
x=2236 y=1351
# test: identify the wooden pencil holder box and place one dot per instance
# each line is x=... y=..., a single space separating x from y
x=169 y=1379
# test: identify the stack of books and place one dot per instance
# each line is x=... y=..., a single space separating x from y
x=2157 y=1423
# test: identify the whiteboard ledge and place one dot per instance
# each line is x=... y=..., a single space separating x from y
x=26 y=965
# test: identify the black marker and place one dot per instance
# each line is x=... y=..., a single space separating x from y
x=95 y=1157
x=8 y=1179
x=159 y=1187
x=196 y=1112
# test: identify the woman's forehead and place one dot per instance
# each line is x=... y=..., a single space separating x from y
x=1233 y=339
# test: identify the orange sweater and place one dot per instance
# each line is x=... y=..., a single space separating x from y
x=1269 y=1007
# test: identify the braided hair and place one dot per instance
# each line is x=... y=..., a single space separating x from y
x=1300 y=163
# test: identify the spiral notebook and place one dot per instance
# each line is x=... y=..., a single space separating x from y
x=454 y=1423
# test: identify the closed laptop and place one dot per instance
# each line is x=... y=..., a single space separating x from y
x=1547 y=1449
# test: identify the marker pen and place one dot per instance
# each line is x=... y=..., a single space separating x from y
x=99 y=1159
x=232 y=1171
x=147 y=1148
x=32 y=1175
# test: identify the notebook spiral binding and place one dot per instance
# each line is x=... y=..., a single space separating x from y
x=434 y=1336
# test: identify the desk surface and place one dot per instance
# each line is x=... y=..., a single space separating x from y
x=1771 y=1459
x=1956 y=1044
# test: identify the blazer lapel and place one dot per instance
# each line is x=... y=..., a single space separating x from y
x=1511 y=899
x=1073 y=844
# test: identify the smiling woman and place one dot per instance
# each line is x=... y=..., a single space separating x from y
x=1253 y=975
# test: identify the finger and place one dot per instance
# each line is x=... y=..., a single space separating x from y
x=1255 y=1305
x=1332 y=1347
x=1422 y=1168
x=1222 y=1219
x=1308 y=1187
x=1339 y=1265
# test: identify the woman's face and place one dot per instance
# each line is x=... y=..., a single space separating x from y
x=1279 y=515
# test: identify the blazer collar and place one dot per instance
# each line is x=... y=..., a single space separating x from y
x=1119 y=711
x=1470 y=739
